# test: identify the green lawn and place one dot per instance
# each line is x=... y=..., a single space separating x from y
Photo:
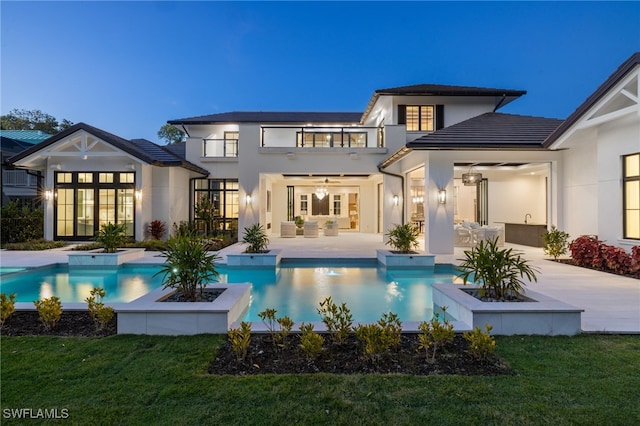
x=589 y=379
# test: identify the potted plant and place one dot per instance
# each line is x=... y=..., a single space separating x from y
x=256 y=238
x=403 y=239
x=299 y=221
x=111 y=236
x=500 y=272
x=188 y=267
x=555 y=242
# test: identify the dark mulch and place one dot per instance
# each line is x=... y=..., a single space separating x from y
x=572 y=262
x=263 y=358
x=72 y=323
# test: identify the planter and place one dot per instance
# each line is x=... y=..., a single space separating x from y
x=331 y=230
x=150 y=315
x=99 y=258
x=538 y=314
x=402 y=260
x=270 y=258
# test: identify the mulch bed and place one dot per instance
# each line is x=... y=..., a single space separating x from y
x=72 y=323
x=263 y=358
x=608 y=271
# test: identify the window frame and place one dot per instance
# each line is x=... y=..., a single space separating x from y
x=626 y=180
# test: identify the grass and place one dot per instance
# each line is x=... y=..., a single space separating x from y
x=588 y=379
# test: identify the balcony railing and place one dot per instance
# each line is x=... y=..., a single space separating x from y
x=220 y=147
x=18 y=178
x=322 y=137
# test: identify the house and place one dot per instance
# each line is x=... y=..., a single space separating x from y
x=433 y=154
x=17 y=184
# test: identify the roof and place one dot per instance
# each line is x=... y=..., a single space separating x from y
x=619 y=74
x=29 y=136
x=12 y=146
x=142 y=149
x=274 y=117
x=491 y=130
x=503 y=96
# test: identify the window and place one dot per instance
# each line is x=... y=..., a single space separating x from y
x=340 y=139
x=337 y=205
x=420 y=118
x=226 y=147
x=631 y=196
x=231 y=144
x=304 y=204
x=222 y=194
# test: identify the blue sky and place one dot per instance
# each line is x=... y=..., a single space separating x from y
x=128 y=67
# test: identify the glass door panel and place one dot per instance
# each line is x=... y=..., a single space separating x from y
x=126 y=209
x=64 y=212
x=85 y=203
x=107 y=207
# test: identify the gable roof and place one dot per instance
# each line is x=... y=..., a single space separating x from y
x=272 y=117
x=502 y=96
x=142 y=149
x=600 y=92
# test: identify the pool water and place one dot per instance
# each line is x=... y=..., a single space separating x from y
x=121 y=284
x=295 y=290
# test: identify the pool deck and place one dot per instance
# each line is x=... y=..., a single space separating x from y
x=611 y=303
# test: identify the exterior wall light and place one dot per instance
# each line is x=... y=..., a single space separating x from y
x=442 y=196
x=48 y=195
x=396 y=200
x=138 y=194
x=248 y=199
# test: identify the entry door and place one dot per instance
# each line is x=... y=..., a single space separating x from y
x=320 y=207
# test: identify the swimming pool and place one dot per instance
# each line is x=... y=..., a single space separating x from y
x=294 y=289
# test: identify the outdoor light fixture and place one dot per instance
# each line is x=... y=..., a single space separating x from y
x=471 y=178
x=138 y=194
x=322 y=190
x=442 y=196
x=248 y=198
x=396 y=200
x=48 y=194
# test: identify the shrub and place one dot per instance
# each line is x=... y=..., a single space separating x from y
x=616 y=259
x=185 y=229
x=310 y=341
x=49 y=311
x=403 y=238
x=188 y=266
x=635 y=255
x=337 y=319
x=20 y=224
x=381 y=336
x=585 y=251
x=240 y=339
x=391 y=329
x=34 y=245
x=286 y=325
x=111 y=236
x=268 y=317
x=157 y=229
x=256 y=238
x=7 y=307
x=555 y=242
x=435 y=334
x=500 y=272
x=101 y=314
x=481 y=344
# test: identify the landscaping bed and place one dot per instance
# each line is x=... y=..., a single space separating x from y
x=72 y=323
x=348 y=358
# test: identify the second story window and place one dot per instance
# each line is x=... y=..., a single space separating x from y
x=231 y=144
x=421 y=118
x=226 y=147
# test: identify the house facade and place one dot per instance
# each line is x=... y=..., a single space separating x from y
x=408 y=157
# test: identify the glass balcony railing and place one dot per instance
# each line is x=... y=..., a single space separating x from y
x=220 y=147
x=322 y=137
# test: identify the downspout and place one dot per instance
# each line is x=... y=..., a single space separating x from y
x=380 y=169
x=499 y=104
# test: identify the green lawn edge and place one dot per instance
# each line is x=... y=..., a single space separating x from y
x=585 y=379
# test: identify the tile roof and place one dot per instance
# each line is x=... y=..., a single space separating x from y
x=142 y=149
x=29 y=136
x=619 y=74
x=12 y=146
x=491 y=130
x=272 y=117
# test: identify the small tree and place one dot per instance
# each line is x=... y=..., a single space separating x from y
x=171 y=134
x=403 y=238
x=256 y=238
x=555 y=242
x=111 y=236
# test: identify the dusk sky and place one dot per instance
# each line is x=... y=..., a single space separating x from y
x=128 y=67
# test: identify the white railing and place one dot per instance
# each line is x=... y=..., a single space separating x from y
x=322 y=137
x=18 y=178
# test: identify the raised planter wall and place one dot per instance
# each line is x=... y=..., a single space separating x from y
x=271 y=258
x=397 y=260
x=147 y=315
x=99 y=258
x=541 y=316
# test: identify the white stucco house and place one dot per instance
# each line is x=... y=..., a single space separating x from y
x=407 y=157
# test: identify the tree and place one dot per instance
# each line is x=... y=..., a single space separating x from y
x=22 y=119
x=171 y=134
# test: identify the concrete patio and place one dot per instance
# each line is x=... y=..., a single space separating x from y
x=611 y=302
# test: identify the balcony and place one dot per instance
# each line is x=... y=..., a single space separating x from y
x=321 y=137
x=220 y=148
x=18 y=178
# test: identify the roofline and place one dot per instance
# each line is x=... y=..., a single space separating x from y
x=201 y=120
x=627 y=66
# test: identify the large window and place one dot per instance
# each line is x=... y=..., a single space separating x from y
x=420 y=118
x=87 y=200
x=339 y=139
x=216 y=201
x=226 y=147
x=631 y=197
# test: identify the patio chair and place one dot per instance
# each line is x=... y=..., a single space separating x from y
x=287 y=229
x=311 y=229
x=462 y=237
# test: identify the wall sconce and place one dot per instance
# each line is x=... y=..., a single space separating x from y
x=442 y=196
x=248 y=199
x=396 y=200
x=138 y=194
x=48 y=195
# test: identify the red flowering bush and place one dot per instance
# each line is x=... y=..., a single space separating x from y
x=617 y=259
x=586 y=251
x=635 y=259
